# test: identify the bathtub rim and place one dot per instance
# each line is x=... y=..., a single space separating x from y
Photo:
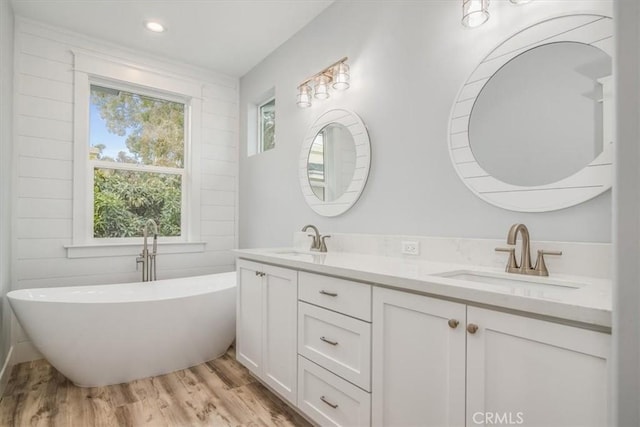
x=142 y=291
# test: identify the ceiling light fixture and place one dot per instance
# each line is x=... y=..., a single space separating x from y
x=154 y=26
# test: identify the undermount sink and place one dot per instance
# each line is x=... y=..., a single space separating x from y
x=512 y=281
x=304 y=256
x=293 y=253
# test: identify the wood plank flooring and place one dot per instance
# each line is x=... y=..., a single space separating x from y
x=217 y=393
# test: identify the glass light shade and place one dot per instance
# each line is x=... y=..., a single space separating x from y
x=322 y=87
x=474 y=12
x=304 y=96
x=341 y=76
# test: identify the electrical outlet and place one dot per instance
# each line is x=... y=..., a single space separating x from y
x=411 y=248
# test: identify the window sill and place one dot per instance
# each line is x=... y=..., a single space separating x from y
x=133 y=249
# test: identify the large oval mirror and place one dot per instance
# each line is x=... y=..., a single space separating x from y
x=334 y=162
x=532 y=127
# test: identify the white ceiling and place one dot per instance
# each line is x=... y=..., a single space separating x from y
x=229 y=36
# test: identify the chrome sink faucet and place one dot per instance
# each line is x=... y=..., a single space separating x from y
x=146 y=258
x=318 y=243
x=540 y=268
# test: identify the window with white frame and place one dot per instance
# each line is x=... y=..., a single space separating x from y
x=136 y=160
x=137 y=145
x=267 y=125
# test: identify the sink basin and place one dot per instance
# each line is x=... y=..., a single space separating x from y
x=303 y=256
x=514 y=283
x=295 y=253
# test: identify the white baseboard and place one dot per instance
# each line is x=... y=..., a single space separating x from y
x=6 y=371
x=25 y=352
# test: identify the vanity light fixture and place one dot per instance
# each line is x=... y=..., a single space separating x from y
x=474 y=12
x=336 y=75
x=154 y=26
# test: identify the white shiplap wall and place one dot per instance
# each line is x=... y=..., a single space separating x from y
x=6 y=131
x=44 y=162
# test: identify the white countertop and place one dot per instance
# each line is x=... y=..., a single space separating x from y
x=589 y=304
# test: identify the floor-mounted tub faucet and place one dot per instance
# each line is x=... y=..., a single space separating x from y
x=146 y=258
x=318 y=243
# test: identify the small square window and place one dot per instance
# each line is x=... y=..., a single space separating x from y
x=267 y=125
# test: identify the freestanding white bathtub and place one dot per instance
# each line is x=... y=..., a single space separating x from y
x=111 y=334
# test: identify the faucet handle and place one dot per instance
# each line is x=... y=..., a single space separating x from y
x=540 y=268
x=512 y=264
x=323 y=244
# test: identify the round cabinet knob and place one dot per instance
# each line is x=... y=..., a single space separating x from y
x=472 y=328
x=453 y=323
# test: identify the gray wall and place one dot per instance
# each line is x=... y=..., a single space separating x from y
x=6 y=137
x=626 y=236
x=408 y=61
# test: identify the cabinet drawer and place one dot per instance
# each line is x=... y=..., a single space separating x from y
x=343 y=296
x=330 y=400
x=337 y=342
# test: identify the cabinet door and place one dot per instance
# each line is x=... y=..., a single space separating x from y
x=418 y=360
x=535 y=373
x=280 y=302
x=249 y=316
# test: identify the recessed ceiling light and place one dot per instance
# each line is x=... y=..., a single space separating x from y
x=156 y=27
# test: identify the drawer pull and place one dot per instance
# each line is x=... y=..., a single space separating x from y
x=333 y=405
x=331 y=294
x=328 y=341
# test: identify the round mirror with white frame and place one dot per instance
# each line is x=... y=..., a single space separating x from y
x=532 y=128
x=334 y=162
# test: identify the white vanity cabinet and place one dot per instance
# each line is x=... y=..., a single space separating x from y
x=535 y=371
x=348 y=353
x=418 y=360
x=431 y=355
x=266 y=325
